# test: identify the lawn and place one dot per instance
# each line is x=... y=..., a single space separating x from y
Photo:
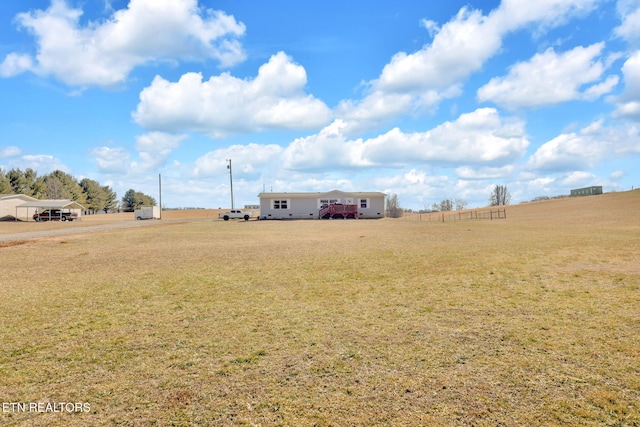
x=532 y=320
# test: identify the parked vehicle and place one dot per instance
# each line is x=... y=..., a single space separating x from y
x=235 y=214
x=55 y=215
x=147 y=212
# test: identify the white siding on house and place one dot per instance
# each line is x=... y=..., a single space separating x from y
x=308 y=205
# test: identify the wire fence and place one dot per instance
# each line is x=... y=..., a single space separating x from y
x=489 y=214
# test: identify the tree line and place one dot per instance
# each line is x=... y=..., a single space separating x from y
x=60 y=185
x=500 y=196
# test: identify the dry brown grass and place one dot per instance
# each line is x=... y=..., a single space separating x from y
x=11 y=227
x=528 y=321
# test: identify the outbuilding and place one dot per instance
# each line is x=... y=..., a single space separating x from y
x=33 y=206
x=587 y=191
x=308 y=205
x=9 y=203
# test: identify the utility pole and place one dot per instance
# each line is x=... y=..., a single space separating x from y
x=160 y=192
x=230 y=181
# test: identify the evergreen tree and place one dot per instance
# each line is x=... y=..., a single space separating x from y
x=133 y=200
x=5 y=186
x=69 y=187
x=98 y=197
x=110 y=198
x=26 y=182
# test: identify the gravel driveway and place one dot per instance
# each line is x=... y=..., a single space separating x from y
x=31 y=235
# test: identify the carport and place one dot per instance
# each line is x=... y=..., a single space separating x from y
x=64 y=205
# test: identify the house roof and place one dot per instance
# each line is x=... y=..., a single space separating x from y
x=51 y=204
x=16 y=196
x=312 y=195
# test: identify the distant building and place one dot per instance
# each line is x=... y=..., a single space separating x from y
x=9 y=204
x=587 y=191
x=21 y=207
x=308 y=205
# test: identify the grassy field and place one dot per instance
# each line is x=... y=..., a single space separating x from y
x=529 y=321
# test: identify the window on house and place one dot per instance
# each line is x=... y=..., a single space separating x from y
x=280 y=204
x=326 y=202
x=364 y=203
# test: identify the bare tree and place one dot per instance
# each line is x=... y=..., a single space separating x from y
x=460 y=204
x=393 y=206
x=446 y=205
x=500 y=196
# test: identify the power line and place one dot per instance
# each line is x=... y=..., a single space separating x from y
x=200 y=178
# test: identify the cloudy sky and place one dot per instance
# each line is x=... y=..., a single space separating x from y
x=428 y=100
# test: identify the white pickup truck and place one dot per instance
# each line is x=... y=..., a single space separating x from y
x=235 y=214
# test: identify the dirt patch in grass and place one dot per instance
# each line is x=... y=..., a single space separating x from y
x=327 y=323
x=12 y=243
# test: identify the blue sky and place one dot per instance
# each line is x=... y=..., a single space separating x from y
x=427 y=100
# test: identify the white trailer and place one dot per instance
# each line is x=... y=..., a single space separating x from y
x=147 y=212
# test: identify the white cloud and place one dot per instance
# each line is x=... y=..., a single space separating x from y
x=225 y=105
x=15 y=64
x=42 y=163
x=330 y=147
x=617 y=175
x=629 y=29
x=578 y=178
x=154 y=148
x=246 y=160
x=10 y=151
x=112 y=160
x=550 y=78
x=413 y=179
x=566 y=152
x=597 y=90
x=104 y=53
x=460 y=47
x=423 y=189
x=480 y=137
x=541 y=186
x=585 y=149
x=628 y=104
x=373 y=110
x=545 y=14
x=629 y=109
x=473 y=173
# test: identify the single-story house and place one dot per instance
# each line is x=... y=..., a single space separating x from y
x=8 y=204
x=308 y=205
